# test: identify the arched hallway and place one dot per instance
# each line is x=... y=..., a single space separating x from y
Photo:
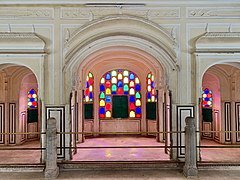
x=20 y=117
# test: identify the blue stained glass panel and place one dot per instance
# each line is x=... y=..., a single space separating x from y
x=102 y=87
x=32 y=99
x=137 y=87
x=114 y=92
x=138 y=110
x=148 y=95
x=131 y=76
x=152 y=84
x=108 y=99
x=132 y=99
x=102 y=110
x=206 y=99
x=206 y=91
x=120 y=84
x=31 y=91
x=87 y=85
x=108 y=76
x=90 y=95
x=126 y=92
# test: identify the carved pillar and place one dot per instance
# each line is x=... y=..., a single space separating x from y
x=190 y=167
x=52 y=170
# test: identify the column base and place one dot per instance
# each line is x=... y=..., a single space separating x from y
x=51 y=173
x=190 y=171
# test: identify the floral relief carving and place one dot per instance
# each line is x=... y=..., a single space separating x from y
x=164 y=13
x=86 y=13
x=12 y=13
x=207 y=12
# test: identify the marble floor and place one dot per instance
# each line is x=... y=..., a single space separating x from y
x=121 y=153
x=21 y=156
x=219 y=154
x=117 y=154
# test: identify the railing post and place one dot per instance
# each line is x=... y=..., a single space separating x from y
x=51 y=170
x=190 y=167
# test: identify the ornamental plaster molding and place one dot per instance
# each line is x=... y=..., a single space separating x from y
x=213 y=12
x=21 y=42
x=164 y=13
x=219 y=42
x=125 y=19
x=28 y=13
x=222 y=34
x=94 y=13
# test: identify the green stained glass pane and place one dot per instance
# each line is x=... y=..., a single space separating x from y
x=137 y=95
x=125 y=87
x=102 y=95
x=125 y=73
x=114 y=87
x=90 y=75
x=114 y=73
x=149 y=75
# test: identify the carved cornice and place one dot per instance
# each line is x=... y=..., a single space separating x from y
x=18 y=36
x=21 y=42
x=218 y=42
x=28 y=13
x=213 y=12
x=222 y=34
x=94 y=13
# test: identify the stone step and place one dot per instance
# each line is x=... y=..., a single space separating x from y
x=22 y=168
x=218 y=166
x=77 y=165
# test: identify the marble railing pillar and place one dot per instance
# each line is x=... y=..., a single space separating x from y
x=190 y=167
x=51 y=170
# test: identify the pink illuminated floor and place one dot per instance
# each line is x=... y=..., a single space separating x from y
x=21 y=156
x=219 y=154
x=120 y=154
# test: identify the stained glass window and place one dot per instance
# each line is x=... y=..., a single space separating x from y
x=32 y=99
x=207 y=98
x=151 y=94
x=88 y=93
x=88 y=97
x=120 y=83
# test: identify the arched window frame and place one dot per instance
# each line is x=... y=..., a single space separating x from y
x=32 y=99
x=110 y=86
x=207 y=98
x=88 y=96
x=151 y=95
x=89 y=88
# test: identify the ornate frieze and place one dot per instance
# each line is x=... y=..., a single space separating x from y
x=28 y=13
x=94 y=13
x=213 y=12
x=164 y=13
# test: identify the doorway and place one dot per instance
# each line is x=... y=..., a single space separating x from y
x=20 y=113
x=219 y=113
